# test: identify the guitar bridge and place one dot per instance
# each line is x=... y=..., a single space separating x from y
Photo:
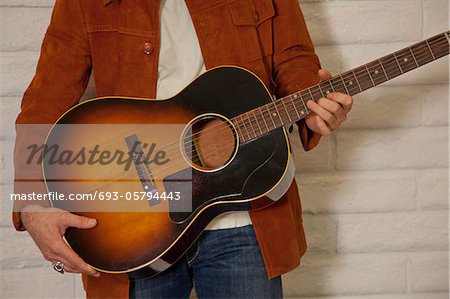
x=143 y=171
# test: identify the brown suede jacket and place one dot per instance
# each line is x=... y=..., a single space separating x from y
x=118 y=41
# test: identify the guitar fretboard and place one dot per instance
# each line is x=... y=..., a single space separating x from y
x=292 y=108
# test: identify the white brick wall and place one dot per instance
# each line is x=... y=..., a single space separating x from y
x=375 y=193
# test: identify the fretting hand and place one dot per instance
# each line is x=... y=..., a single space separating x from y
x=328 y=113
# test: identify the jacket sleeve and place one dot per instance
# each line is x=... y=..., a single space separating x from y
x=62 y=75
x=294 y=60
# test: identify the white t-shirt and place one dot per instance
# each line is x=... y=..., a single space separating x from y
x=180 y=62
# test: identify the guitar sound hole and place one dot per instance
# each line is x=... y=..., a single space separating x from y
x=209 y=143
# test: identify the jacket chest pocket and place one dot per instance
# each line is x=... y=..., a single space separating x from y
x=124 y=60
x=253 y=19
x=124 y=43
x=136 y=48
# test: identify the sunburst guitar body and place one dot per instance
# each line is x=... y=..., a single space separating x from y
x=196 y=163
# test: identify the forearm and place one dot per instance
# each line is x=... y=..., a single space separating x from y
x=61 y=77
x=295 y=63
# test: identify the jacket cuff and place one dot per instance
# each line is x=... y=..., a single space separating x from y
x=308 y=138
x=17 y=221
x=17 y=213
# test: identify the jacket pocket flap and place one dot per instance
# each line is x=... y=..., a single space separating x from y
x=245 y=12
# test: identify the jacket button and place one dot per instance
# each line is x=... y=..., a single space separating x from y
x=148 y=48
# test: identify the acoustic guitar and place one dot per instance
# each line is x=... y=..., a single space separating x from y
x=158 y=171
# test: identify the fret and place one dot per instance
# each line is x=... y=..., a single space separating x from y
x=317 y=93
x=292 y=109
x=304 y=108
x=321 y=91
x=343 y=83
x=257 y=122
x=391 y=66
x=412 y=54
x=440 y=46
x=399 y=66
x=377 y=75
x=287 y=111
x=277 y=114
x=251 y=128
x=295 y=96
x=425 y=55
x=406 y=61
x=331 y=85
x=264 y=119
x=431 y=51
x=384 y=71
x=238 y=128
x=370 y=76
x=270 y=114
x=336 y=84
x=291 y=112
x=280 y=116
x=296 y=113
x=239 y=125
x=326 y=86
x=244 y=126
x=241 y=129
x=310 y=93
x=356 y=79
x=303 y=95
x=349 y=82
x=363 y=78
x=271 y=123
x=434 y=43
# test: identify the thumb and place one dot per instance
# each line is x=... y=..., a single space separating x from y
x=80 y=221
x=324 y=74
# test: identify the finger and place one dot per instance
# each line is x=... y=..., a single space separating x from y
x=61 y=249
x=67 y=266
x=54 y=258
x=77 y=221
x=344 y=99
x=324 y=74
x=70 y=269
x=327 y=116
x=322 y=126
x=334 y=107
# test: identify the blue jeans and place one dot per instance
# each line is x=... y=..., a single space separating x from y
x=225 y=263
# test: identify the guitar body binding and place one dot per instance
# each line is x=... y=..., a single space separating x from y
x=252 y=170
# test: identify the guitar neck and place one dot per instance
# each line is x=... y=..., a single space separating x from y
x=292 y=108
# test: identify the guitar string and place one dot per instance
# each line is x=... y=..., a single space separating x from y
x=370 y=78
x=316 y=89
x=248 y=120
x=182 y=160
x=335 y=86
x=226 y=127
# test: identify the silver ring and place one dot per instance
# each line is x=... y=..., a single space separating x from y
x=59 y=267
